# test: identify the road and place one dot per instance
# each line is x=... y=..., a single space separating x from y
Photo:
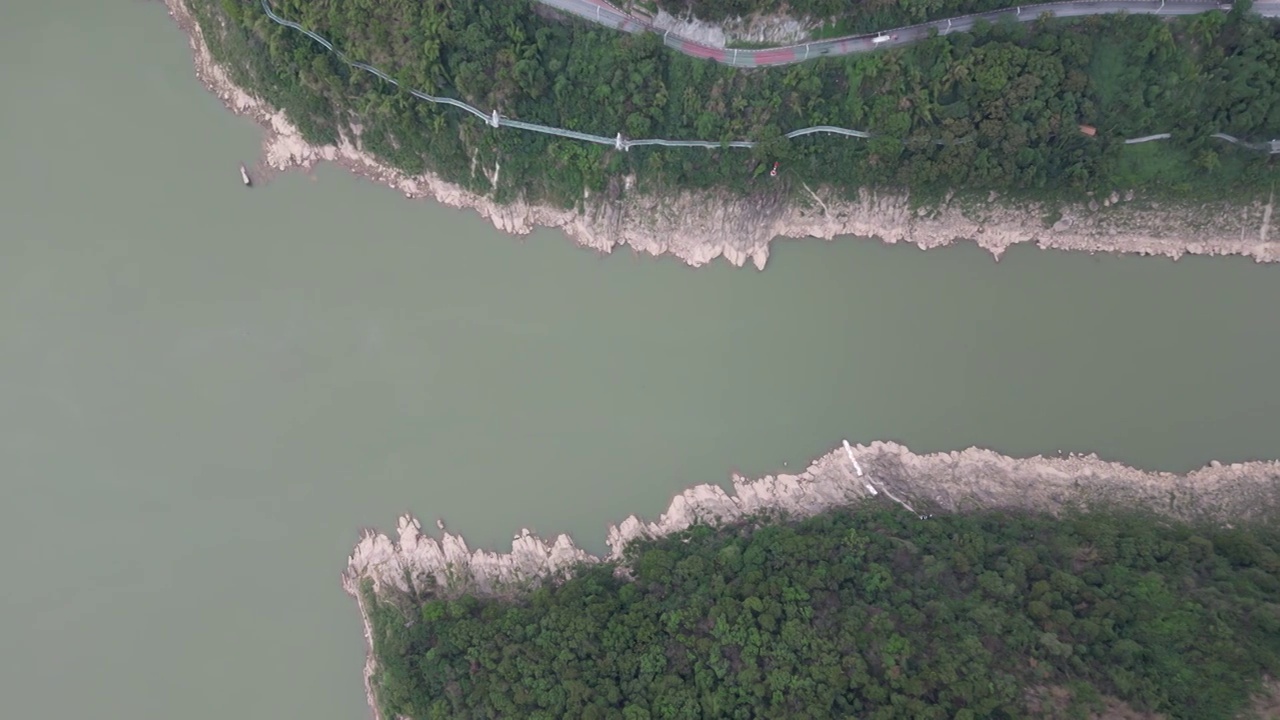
x=605 y=14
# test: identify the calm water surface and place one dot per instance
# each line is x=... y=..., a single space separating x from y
x=205 y=390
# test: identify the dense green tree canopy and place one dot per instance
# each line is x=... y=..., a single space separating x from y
x=871 y=613
x=998 y=109
x=843 y=16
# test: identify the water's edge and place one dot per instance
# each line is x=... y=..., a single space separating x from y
x=698 y=227
x=940 y=482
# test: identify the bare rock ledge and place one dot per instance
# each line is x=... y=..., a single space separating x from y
x=955 y=481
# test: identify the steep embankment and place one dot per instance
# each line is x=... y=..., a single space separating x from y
x=699 y=226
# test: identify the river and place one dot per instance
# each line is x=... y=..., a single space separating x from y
x=206 y=390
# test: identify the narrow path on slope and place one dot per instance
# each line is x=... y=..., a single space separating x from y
x=496 y=119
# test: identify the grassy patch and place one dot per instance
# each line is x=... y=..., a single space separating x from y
x=1154 y=163
x=1107 y=75
x=1211 y=173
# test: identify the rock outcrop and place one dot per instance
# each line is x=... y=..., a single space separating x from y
x=941 y=482
x=415 y=561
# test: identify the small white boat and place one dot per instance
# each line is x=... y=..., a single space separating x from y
x=244 y=175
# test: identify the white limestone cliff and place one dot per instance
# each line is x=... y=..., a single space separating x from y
x=415 y=561
x=938 y=482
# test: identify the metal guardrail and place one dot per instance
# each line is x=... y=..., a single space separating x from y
x=495 y=119
x=1272 y=147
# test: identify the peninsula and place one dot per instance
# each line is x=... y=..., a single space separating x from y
x=931 y=506
x=1101 y=133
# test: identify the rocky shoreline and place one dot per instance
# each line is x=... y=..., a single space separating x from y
x=940 y=482
x=958 y=481
x=698 y=227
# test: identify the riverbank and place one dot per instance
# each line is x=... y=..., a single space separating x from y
x=971 y=479
x=958 y=481
x=698 y=227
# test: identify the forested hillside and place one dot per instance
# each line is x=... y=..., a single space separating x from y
x=871 y=613
x=844 y=16
x=998 y=109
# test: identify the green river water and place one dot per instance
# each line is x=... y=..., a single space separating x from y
x=205 y=391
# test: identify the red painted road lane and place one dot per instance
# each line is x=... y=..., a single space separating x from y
x=778 y=56
x=702 y=51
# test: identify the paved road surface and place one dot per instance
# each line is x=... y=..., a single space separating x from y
x=602 y=12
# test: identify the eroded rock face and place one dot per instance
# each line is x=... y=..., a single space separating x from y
x=969 y=479
x=415 y=562
x=972 y=479
x=700 y=226
x=754 y=28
